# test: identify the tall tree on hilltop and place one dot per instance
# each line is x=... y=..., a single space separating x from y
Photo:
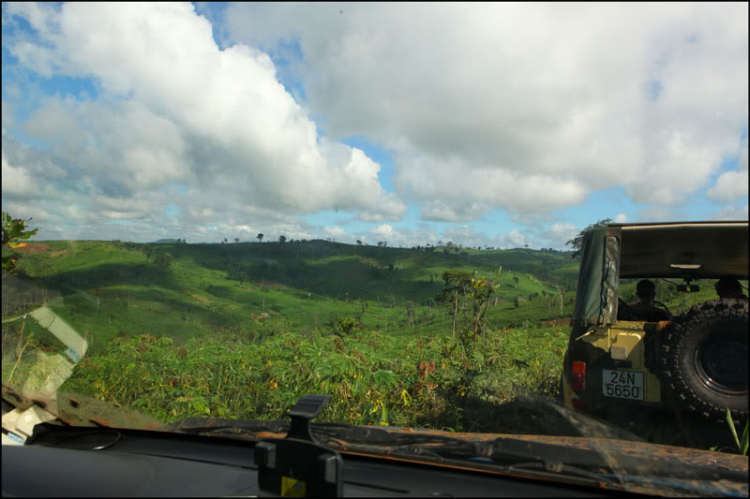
x=577 y=242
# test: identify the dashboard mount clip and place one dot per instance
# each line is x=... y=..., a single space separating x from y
x=297 y=466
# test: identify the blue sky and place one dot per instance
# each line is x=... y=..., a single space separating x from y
x=455 y=160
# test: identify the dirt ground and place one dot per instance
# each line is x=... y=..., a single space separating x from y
x=33 y=248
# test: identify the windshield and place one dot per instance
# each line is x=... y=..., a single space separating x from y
x=214 y=210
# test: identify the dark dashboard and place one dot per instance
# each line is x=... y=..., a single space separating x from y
x=67 y=461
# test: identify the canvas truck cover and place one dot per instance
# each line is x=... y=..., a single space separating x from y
x=698 y=250
x=598 y=277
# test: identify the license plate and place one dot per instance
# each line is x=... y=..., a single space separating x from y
x=622 y=384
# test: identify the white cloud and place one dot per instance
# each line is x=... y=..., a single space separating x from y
x=468 y=237
x=730 y=186
x=523 y=107
x=661 y=214
x=403 y=236
x=16 y=179
x=384 y=230
x=335 y=231
x=7 y=116
x=733 y=184
x=562 y=233
x=731 y=213
x=462 y=184
x=173 y=108
x=527 y=109
x=516 y=238
x=438 y=211
x=621 y=218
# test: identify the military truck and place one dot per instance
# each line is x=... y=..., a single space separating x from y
x=695 y=363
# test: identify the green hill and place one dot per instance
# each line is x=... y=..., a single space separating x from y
x=186 y=338
x=110 y=288
x=555 y=267
x=106 y=289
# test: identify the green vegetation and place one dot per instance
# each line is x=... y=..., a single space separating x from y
x=407 y=337
x=105 y=288
x=742 y=444
x=14 y=231
x=374 y=378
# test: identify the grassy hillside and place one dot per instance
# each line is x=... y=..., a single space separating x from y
x=555 y=267
x=244 y=329
x=104 y=289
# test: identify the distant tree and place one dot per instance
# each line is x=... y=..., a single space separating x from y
x=236 y=239
x=380 y=244
x=577 y=242
x=455 y=290
x=260 y=238
x=525 y=245
x=515 y=279
x=359 y=243
x=148 y=251
x=472 y=296
x=282 y=238
x=225 y=240
x=163 y=261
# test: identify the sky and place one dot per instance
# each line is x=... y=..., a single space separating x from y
x=501 y=125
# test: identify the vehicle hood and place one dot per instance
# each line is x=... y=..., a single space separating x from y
x=76 y=410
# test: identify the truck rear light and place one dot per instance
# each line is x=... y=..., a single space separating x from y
x=579 y=376
x=579 y=404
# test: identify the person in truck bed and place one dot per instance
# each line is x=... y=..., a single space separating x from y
x=729 y=287
x=645 y=308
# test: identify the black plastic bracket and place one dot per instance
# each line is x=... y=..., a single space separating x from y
x=307 y=409
x=297 y=466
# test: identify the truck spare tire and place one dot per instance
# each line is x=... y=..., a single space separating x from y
x=704 y=357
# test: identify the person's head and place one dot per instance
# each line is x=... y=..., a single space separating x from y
x=645 y=291
x=728 y=287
